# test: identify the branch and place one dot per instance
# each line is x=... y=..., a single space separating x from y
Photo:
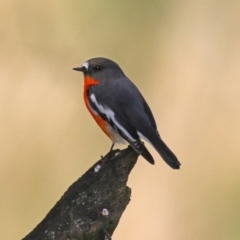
x=92 y=206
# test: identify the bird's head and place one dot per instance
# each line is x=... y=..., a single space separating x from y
x=100 y=69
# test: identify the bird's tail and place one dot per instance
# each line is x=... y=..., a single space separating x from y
x=140 y=148
x=167 y=155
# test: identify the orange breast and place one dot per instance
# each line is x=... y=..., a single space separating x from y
x=88 y=82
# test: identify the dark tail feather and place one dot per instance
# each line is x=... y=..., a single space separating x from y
x=167 y=155
x=146 y=154
x=140 y=148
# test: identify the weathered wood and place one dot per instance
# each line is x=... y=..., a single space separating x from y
x=92 y=206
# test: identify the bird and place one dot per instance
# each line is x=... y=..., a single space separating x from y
x=120 y=109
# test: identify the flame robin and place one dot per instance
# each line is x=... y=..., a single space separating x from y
x=120 y=110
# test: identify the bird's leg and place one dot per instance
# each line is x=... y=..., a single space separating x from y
x=108 y=157
x=111 y=148
x=109 y=154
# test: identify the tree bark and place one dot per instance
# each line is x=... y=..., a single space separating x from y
x=92 y=206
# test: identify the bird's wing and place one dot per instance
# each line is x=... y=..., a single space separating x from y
x=115 y=106
x=122 y=105
x=121 y=102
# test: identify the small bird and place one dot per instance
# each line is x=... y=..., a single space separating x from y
x=120 y=110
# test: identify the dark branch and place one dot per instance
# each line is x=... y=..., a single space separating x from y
x=92 y=206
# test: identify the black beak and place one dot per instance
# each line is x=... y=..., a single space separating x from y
x=80 y=69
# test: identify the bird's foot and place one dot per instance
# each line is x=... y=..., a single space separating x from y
x=108 y=159
x=111 y=154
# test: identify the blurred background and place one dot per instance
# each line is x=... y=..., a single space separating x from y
x=185 y=58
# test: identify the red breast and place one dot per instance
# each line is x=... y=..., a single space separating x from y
x=88 y=82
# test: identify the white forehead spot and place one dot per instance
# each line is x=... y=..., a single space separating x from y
x=86 y=64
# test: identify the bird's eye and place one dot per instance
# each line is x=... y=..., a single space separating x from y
x=97 y=68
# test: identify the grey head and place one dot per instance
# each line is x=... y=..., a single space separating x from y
x=101 y=69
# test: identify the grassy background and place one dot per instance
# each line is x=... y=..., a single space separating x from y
x=183 y=56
